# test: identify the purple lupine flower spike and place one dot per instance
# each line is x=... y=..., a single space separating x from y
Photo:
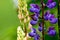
x=51 y=4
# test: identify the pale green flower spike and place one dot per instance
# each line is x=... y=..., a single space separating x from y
x=24 y=18
x=23 y=12
x=20 y=33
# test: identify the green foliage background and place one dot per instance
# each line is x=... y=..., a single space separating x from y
x=9 y=20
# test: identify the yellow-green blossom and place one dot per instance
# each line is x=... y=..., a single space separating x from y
x=24 y=18
x=20 y=33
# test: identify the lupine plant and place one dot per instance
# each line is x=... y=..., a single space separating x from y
x=36 y=19
x=47 y=16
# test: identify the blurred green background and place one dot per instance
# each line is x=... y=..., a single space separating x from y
x=9 y=20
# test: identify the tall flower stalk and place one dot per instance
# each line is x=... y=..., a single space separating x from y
x=24 y=18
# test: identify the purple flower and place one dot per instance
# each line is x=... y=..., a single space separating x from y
x=36 y=37
x=35 y=17
x=33 y=32
x=32 y=22
x=51 y=5
x=40 y=28
x=47 y=15
x=51 y=28
x=34 y=8
x=52 y=33
x=53 y=20
x=37 y=14
x=50 y=1
x=50 y=17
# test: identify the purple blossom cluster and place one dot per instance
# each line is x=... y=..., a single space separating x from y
x=47 y=17
x=34 y=34
x=51 y=31
x=35 y=9
x=50 y=17
x=51 y=4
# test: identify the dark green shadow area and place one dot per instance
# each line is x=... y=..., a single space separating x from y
x=47 y=37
